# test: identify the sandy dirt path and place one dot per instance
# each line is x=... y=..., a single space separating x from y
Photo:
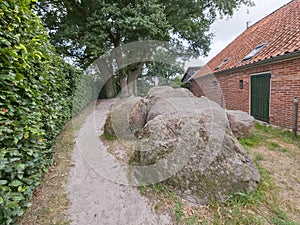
x=96 y=200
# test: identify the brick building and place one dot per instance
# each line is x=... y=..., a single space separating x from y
x=259 y=72
x=189 y=73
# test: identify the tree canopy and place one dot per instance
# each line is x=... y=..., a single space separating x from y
x=87 y=29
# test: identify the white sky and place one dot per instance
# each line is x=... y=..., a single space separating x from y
x=227 y=29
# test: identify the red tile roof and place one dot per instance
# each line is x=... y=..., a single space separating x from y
x=280 y=31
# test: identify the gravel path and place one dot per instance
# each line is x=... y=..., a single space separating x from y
x=96 y=200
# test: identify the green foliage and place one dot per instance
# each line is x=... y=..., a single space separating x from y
x=85 y=89
x=177 y=81
x=258 y=157
x=280 y=218
x=85 y=30
x=164 y=190
x=178 y=210
x=163 y=73
x=266 y=185
x=239 y=198
x=36 y=90
x=143 y=190
x=267 y=136
x=109 y=137
x=254 y=141
x=273 y=146
x=186 y=85
x=88 y=29
x=280 y=133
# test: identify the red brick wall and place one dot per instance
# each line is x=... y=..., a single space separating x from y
x=285 y=85
x=208 y=86
x=196 y=89
x=234 y=97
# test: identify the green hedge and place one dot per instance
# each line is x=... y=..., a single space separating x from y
x=86 y=89
x=36 y=92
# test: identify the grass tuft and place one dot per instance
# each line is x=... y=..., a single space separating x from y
x=254 y=141
x=280 y=218
x=273 y=146
x=109 y=137
x=258 y=157
x=178 y=210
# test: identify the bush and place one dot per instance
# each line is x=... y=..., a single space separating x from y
x=86 y=88
x=36 y=91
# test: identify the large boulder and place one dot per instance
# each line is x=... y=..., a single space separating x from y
x=127 y=118
x=158 y=102
x=241 y=123
x=190 y=147
x=159 y=90
x=185 y=142
x=164 y=92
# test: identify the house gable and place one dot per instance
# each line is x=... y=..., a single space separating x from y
x=271 y=46
x=276 y=35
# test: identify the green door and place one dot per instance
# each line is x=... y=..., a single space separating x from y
x=260 y=96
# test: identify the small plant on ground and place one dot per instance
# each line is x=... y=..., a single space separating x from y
x=109 y=137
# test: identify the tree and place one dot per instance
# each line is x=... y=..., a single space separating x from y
x=87 y=29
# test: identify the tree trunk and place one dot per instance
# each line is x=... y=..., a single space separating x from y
x=133 y=74
x=108 y=77
x=123 y=76
x=123 y=83
x=132 y=83
x=110 y=89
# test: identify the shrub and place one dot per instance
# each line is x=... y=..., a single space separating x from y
x=36 y=91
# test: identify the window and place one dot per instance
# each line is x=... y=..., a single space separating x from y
x=222 y=63
x=214 y=84
x=254 y=52
x=241 y=84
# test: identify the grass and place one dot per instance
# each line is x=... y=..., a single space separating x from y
x=280 y=218
x=273 y=146
x=50 y=202
x=239 y=208
x=284 y=135
x=258 y=157
x=254 y=141
x=178 y=210
x=261 y=207
x=109 y=137
x=162 y=196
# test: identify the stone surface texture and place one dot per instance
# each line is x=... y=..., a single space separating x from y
x=187 y=143
x=241 y=123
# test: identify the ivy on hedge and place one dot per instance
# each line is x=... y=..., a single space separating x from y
x=36 y=94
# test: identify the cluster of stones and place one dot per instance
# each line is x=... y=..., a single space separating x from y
x=188 y=143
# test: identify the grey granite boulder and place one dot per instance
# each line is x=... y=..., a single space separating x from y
x=241 y=123
x=185 y=142
x=158 y=100
x=165 y=92
x=191 y=148
x=127 y=118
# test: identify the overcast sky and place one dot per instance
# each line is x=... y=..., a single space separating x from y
x=227 y=29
